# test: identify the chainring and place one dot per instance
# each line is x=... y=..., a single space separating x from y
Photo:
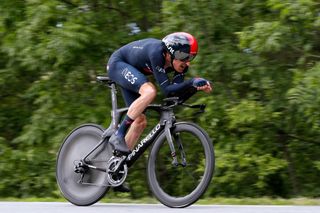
x=116 y=178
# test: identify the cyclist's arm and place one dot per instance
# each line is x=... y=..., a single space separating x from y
x=178 y=77
x=177 y=88
x=167 y=88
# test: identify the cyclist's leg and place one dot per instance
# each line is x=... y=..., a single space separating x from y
x=139 y=123
x=147 y=93
x=135 y=131
x=130 y=79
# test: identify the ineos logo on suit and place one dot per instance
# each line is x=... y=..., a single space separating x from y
x=129 y=76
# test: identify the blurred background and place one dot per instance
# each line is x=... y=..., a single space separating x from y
x=261 y=55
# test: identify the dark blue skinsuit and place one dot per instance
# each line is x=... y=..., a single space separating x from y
x=129 y=65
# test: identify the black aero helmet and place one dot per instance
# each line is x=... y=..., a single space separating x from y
x=181 y=46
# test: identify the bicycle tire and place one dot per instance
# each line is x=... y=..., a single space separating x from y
x=166 y=186
x=74 y=148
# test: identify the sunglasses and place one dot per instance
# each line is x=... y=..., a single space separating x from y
x=182 y=56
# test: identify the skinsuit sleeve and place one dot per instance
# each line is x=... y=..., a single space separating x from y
x=168 y=88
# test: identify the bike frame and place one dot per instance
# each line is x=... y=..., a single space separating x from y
x=167 y=120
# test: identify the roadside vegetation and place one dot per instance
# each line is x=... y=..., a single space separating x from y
x=262 y=56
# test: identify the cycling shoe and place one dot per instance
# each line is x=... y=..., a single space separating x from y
x=119 y=144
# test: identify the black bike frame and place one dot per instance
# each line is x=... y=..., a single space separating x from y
x=167 y=119
x=144 y=144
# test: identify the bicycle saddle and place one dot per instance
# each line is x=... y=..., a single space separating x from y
x=105 y=79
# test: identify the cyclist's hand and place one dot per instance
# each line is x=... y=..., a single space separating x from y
x=207 y=88
x=199 y=82
x=202 y=84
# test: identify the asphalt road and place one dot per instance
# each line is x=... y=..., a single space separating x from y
x=54 y=207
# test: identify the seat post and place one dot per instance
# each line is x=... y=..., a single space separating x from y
x=114 y=102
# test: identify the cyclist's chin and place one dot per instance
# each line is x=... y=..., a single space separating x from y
x=180 y=69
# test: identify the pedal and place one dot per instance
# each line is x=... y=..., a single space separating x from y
x=118 y=154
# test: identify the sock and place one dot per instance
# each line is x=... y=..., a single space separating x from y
x=124 y=126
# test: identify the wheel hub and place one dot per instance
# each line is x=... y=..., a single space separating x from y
x=80 y=167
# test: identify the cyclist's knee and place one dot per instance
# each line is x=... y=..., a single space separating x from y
x=148 y=90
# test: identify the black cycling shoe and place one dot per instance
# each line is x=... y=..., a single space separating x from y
x=119 y=144
x=122 y=188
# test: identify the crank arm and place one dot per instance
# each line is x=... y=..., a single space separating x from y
x=120 y=164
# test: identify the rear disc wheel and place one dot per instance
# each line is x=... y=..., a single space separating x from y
x=86 y=186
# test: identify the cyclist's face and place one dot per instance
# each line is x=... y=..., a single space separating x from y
x=179 y=66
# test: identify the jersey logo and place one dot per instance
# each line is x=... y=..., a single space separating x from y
x=129 y=76
x=137 y=47
x=160 y=69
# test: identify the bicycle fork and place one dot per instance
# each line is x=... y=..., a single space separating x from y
x=168 y=128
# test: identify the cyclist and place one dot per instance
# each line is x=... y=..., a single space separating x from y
x=129 y=66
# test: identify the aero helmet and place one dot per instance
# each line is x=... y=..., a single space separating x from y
x=181 y=46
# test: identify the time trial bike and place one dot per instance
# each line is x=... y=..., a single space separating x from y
x=180 y=164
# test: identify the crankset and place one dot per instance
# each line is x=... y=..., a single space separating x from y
x=117 y=170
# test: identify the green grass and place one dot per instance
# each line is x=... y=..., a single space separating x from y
x=206 y=201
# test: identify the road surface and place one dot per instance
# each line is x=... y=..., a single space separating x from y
x=61 y=207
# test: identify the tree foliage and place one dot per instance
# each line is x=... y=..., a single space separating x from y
x=262 y=57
